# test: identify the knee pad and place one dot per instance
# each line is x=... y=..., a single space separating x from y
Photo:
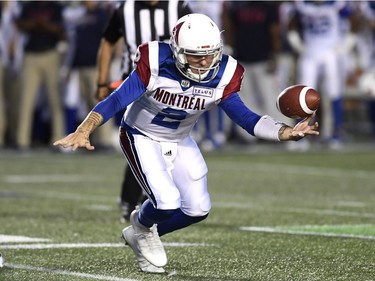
x=200 y=208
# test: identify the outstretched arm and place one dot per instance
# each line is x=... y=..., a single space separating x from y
x=80 y=138
x=265 y=127
x=125 y=94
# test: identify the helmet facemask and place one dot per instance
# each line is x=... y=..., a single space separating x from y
x=197 y=35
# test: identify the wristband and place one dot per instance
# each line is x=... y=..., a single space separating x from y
x=268 y=128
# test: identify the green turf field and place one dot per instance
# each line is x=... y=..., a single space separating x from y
x=275 y=216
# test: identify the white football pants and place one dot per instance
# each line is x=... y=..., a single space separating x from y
x=173 y=175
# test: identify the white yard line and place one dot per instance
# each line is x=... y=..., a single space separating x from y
x=326 y=212
x=50 y=178
x=301 y=232
x=19 y=239
x=78 y=245
x=352 y=204
x=69 y=273
x=91 y=245
x=294 y=169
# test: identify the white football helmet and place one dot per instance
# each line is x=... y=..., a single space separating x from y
x=198 y=35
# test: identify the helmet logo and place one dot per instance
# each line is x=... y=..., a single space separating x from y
x=176 y=30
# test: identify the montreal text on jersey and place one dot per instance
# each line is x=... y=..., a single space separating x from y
x=178 y=100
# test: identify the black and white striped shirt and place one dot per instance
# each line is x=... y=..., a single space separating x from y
x=139 y=21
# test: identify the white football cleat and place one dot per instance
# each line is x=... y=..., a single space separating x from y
x=148 y=242
x=143 y=264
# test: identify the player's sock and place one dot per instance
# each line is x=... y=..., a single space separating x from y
x=179 y=220
x=148 y=215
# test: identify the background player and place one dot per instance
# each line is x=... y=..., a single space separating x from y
x=244 y=21
x=170 y=88
x=84 y=23
x=318 y=62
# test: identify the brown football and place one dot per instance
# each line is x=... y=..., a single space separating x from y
x=298 y=101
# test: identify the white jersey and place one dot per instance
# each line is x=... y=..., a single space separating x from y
x=320 y=24
x=172 y=104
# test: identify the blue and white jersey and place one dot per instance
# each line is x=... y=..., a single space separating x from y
x=320 y=24
x=367 y=9
x=172 y=104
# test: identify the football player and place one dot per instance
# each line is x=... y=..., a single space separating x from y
x=319 y=47
x=135 y=22
x=172 y=85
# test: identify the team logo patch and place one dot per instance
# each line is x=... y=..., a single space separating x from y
x=185 y=83
x=203 y=92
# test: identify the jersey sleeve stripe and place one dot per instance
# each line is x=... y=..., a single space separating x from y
x=153 y=59
x=232 y=77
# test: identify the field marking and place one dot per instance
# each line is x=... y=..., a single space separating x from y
x=69 y=273
x=259 y=167
x=48 y=178
x=13 y=238
x=100 y=207
x=354 y=204
x=104 y=207
x=301 y=232
x=327 y=212
x=92 y=245
x=294 y=169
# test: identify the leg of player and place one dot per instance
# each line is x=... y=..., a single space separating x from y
x=219 y=136
x=143 y=264
x=148 y=165
x=131 y=195
x=172 y=174
x=336 y=141
x=146 y=238
x=371 y=114
x=178 y=221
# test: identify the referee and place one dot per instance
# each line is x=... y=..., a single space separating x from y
x=136 y=22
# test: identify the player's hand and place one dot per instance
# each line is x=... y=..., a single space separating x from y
x=75 y=140
x=305 y=127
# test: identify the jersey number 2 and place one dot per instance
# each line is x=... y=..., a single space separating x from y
x=169 y=113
